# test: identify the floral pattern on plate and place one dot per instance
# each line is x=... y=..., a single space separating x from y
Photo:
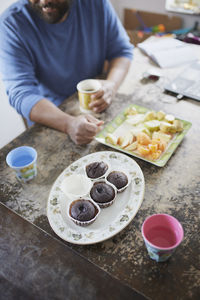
x=111 y=220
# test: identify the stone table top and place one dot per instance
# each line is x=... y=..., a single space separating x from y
x=173 y=189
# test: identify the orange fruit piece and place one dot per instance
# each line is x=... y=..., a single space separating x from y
x=155 y=155
x=155 y=141
x=162 y=146
x=153 y=147
x=143 y=138
x=143 y=150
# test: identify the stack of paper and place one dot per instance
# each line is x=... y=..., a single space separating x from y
x=168 y=52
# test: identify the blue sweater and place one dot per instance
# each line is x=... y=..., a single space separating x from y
x=40 y=60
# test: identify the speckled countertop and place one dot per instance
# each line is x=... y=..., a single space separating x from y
x=173 y=189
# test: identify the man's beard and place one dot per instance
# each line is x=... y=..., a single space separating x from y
x=58 y=10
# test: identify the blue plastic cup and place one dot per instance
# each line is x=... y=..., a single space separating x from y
x=23 y=160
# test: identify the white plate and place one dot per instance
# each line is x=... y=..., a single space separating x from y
x=111 y=220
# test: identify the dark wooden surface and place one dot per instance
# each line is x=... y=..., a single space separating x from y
x=36 y=266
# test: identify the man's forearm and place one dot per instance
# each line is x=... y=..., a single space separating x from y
x=118 y=68
x=46 y=113
x=81 y=129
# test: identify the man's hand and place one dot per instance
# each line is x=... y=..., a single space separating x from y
x=82 y=129
x=117 y=70
x=103 y=98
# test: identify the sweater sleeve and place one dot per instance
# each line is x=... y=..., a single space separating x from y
x=17 y=70
x=117 y=39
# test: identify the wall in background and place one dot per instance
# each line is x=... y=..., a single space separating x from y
x=11 y=123
x=5 y=3
x=157 y=6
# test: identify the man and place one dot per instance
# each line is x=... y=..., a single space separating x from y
x=48 y=46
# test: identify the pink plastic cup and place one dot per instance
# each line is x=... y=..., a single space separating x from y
x=162 y=234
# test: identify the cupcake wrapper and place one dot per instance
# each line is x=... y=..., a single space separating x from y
x=106 y=204
x=85 y=223
x=119 y=170
x=102 y=176
x=122 y=189
x=109 y=203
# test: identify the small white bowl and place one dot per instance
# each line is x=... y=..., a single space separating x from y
x=97 y=161
x=84 y=223
x=104 y=204
x=121 y=170
x=76 y=185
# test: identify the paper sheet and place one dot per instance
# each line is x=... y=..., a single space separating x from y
x=168 y=52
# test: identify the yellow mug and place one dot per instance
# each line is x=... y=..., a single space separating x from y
x=86 y=88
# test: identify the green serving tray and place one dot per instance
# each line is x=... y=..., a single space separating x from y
x=120 y=118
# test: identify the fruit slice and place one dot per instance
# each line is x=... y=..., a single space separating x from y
x=120 y=140
x=126 y=140
x=160 y=115
x=130 y=111
x=153 y=125
x=178 y=125
x=153 y=147
x=111 y=139
x=155 y=155
x=150 y=115
x=140 y=128
x=143 y=150
x=162 y=146
x=158 y=135
x=132 y=146
x=169 y=118
x=136 y=119
x=143 y=138
x=165 y=127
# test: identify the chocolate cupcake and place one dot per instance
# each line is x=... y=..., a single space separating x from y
x=96 y=169
x=103 y=193
x=83 y=211
x=119 y=179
